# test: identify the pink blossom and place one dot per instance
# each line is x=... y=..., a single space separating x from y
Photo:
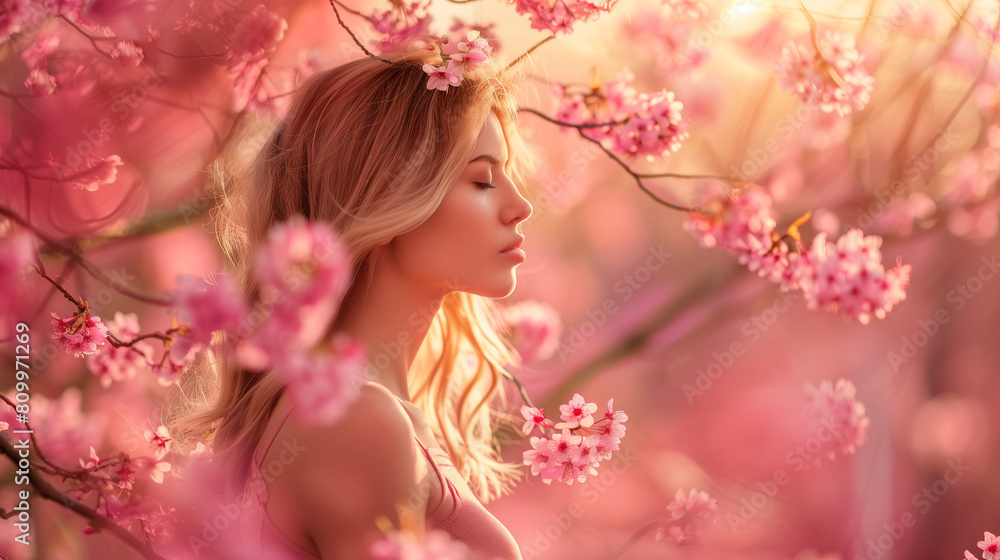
x=159 y=441
x=324 y=385
x=305 y=261
x=688 y=516
x=990 y=545
x=257 y=34
x=578 y=412
x=80 y=334
x=440 y=77
x=127 y=53
x=12 y=14
x=560 y=16
x=37 y=53
x=837 y=411
x=474 y=50
x=111 y=363
x=533 y=417
x=205 y=307
x=100 y=172
x=434 y=545
x=536 y=328
x=61 y=426
x=39 y=82
x=832 y=79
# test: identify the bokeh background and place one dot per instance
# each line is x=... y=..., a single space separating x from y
x=645 y=310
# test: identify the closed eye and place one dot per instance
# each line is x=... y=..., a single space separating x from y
x=485 y=186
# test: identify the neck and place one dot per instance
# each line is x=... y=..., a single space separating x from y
x=391 y=317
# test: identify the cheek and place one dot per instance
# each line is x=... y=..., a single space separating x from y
x=454 y=237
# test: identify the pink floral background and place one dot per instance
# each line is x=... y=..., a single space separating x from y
x=799 y=316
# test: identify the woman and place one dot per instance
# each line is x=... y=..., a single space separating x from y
x=421 y=186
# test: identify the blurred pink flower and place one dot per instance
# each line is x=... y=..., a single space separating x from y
x=100 y=172
x=111 y=363
x=181 y=353
x=560 y=16
x=205 y=307
x=832 y=79
x=440 y=77
x=127 y=53
x=305 y=261
x=434 y=545
x=536 y=328
x=836 y=409
x=64 y=431
x=689 y=514
x=79 y=334
x=990 y=546
x=475 y=49
x=324 y=385
x=12 y=15
x=39 y=82
x=402 y=24
x=36 y=54
x=257 y=34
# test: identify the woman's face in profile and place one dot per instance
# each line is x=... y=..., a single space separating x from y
x=465 y=244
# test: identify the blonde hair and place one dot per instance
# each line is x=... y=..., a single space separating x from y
x=368 y=149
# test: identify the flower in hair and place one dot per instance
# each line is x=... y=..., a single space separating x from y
x=465 y=56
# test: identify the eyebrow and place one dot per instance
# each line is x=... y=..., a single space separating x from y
x=486 y=157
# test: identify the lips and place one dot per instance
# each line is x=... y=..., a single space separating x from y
x=515 y=245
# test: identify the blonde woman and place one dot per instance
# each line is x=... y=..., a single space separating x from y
x=422 y=187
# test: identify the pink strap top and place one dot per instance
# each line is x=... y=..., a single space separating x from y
x=469 y=521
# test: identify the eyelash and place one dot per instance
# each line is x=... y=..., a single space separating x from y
x=485 y=186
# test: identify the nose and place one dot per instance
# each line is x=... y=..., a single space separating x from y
x=518 y=209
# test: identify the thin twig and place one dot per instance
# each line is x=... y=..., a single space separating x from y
x=333 y=4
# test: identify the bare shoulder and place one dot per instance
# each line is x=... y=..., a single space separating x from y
x=351 y=472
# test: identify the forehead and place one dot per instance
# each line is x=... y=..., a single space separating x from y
x=491 y=139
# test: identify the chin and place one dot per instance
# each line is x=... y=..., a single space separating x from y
x=499 y=290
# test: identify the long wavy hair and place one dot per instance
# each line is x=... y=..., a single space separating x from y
x=368 y=149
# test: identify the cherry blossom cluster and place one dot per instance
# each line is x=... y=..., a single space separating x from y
x=846 y=276
x=688 y=514
x=110 y=482
x=405 y=545
x=828 y=75
x=535 y=329
x=577 y=445
x=836 y=409
x=645 y=124
x=990 y=545
x=559 y=16
x=455 y=61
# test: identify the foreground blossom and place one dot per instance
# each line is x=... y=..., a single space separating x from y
x=206 y=307
x=832 y=79
x=306 y=262
x=434 y=545
x=689 y=514
x=836 y=411
x=325 y=384
x=576 y=450
x=535 y=327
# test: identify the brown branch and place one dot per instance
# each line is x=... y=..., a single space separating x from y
x=527 y=52
x=49 y=492
x=85 y=264
x=333 y=4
